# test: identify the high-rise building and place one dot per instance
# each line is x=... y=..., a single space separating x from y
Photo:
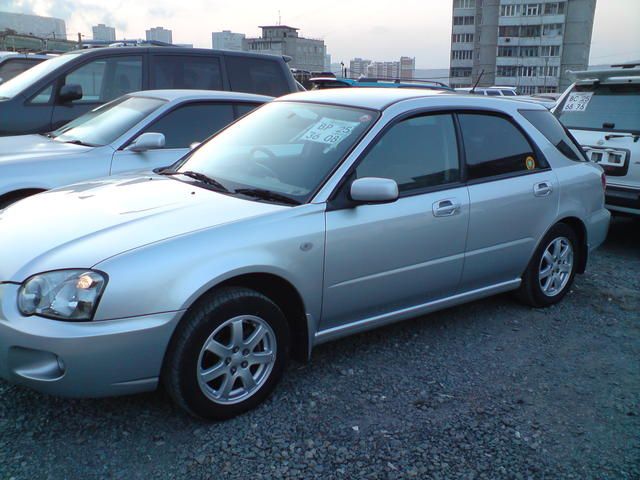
x=358 y=67
x=403 y=69
x=227 y=40
x=104 y=33
x=529 y=45
x=45 y=27
x=159 y=34
x=306 y=53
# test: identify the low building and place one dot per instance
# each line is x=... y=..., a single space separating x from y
x=104 y=33
x=35 y=25
x=306 y=53
x=159 y=34
x=227 y=40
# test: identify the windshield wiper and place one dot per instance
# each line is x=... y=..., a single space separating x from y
x=200 y=177
x=267 y=195
x=635 y=136
x=80 y=142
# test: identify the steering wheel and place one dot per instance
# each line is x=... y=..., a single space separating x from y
x=272 y=156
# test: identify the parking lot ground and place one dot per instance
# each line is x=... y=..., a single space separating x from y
x=488 y=390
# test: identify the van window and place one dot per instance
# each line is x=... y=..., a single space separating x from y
x=200 y=72
x=256 y=75
x=104 y=79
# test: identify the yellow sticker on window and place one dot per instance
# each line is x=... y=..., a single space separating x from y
x=530 y=163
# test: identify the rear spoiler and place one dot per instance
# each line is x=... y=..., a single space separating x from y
x=287 y=58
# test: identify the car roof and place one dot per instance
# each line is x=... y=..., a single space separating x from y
x=182 y=95
x=374 y=98
x=171 y=50
x=382 y=98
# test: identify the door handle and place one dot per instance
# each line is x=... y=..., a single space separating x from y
x=542 y=189
x=446 y=208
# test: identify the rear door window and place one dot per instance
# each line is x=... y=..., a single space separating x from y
x=192 y=123
x=104 y=79
x=256 y=75
x=553 y=130
x=496 y=147
x=194 y=72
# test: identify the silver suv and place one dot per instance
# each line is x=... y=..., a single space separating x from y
x=602 y=111
x=320 y=215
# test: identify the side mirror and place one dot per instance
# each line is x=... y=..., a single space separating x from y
x=147 y=141
x=374 y=190
x=69 y=93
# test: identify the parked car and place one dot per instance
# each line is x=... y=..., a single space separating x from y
x=324 y=82
x=55 y=92
x=490 y=91
x=138 y=131
x=13 y=63
x=602 y=110
x=319 y=215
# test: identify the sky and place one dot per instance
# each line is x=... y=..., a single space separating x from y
x=350 y=28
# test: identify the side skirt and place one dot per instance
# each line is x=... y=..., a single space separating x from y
x=405 y=313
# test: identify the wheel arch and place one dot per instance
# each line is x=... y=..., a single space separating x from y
x=282 y=293
x=580 y=230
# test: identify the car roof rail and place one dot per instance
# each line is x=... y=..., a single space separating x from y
x=400 y=80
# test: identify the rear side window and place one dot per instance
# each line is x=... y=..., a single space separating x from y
x=494 y=146
x=553 y=130
x=192 y=123
x=190 y=72
x=256 y=75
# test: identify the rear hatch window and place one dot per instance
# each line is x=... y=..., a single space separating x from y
x=614 y=108
x=256 y=75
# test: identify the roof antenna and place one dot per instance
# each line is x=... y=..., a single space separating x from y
x=473 y=90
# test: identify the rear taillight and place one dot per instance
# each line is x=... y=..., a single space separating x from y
x=603 y=178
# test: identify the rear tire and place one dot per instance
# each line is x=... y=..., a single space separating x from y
x=227 y=354
x=552 y=268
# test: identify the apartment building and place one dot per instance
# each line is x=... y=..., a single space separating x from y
x=227 y=40
x=529 y=45
x=104 y=33
x=403 y=69
x=159 y=34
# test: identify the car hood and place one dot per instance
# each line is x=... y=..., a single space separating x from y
x=25 y=147
x=80 y=225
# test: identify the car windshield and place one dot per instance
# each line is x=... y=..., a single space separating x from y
x=286 y=148
x=602 y=107
x=19 y=83
x=106 y=123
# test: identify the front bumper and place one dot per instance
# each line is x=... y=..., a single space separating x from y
x=623 y=199
x=82 y=359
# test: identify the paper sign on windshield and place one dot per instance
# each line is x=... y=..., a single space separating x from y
x=577 y=102
x=329 y=131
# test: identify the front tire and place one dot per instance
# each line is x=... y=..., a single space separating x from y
x=227 y=354
x=552 y=268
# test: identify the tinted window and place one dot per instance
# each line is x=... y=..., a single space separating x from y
x=553 y=130
x=494 y=146
x=256 y=75
x=192 y=123
x=417 y=153
x=35 y=74
x=104 y=79
x=244 y=108
x=190 y=72
x=15 y=66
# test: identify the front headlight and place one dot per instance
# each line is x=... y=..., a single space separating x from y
x=62 y=294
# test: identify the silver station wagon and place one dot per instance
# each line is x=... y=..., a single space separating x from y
x=317 y=216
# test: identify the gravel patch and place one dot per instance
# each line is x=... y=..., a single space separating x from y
x=488 y=390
